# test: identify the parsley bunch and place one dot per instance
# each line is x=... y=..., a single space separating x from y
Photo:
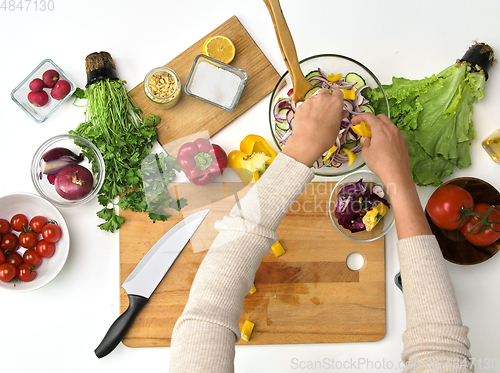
x=124 y=137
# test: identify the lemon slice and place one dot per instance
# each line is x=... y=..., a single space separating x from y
x=220 y=48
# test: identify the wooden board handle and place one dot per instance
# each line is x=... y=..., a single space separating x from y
x=300 y=84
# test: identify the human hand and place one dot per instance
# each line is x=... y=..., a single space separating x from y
x=386 y=153
x=316 y=126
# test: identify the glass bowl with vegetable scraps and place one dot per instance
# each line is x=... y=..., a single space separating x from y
x=67 y=170
x=330 y=71
x=360 y=207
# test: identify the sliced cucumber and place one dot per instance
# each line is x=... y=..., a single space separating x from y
x=313 y=74
x=282 y=126
x=356 y=79
x=367 y=108
x=311 y=92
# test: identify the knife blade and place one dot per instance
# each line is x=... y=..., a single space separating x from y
x=146 y=276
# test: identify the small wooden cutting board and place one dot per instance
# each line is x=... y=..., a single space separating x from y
x=307 y=295
x=191 y=115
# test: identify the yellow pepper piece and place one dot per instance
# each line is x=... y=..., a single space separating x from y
x=246 y=331
x=373 y=216
x=254 y=156
x=334 y=77
x=332 y=150
x=253 y=289
x=362 y=129
x=278 y=249
x=350 y=154
x=349 y=94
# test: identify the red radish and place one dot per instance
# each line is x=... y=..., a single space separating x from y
x=37 y=85
x=60 y=90
x=38 y=98
x=50 y=77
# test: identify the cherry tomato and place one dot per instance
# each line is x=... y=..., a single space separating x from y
x=26 y=273
x=51 y=232
x=488 y=236
x=28 y=240
x=37 y=223
x=45 y=249
x=9 y=243
x=2 y=257
x=14 y=258
x=18 y=221
x=7 y=272
x=4 y=226
x=32 y=258
x=446 y=204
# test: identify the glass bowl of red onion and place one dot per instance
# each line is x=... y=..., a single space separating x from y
x=67 y=170
x=329 y=71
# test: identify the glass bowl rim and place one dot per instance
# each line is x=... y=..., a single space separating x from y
x=316 y=173
x=43 y=148
x=332 y=218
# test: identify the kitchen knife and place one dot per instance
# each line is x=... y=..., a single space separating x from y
x=146 y=276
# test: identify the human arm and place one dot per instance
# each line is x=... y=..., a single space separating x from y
x=435 y=334
x=205 y=335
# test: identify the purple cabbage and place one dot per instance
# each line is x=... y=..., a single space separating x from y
x=353 y=200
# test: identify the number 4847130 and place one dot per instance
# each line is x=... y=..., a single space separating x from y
x=27 y=5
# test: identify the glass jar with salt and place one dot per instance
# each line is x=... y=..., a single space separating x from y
x=215 y=82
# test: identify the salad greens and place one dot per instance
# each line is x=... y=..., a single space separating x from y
x=124 y=138
x=435 y=116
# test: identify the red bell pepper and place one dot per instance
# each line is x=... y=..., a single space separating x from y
x=201 y=161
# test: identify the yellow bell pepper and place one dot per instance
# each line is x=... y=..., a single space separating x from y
x=334 y=77
x=278 y=249
x=246 y=330
x=254 y=156
x=253 y=289
x=332 y=150
x=362 y=129
x=350 y=155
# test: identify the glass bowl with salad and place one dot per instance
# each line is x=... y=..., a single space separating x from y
x=360 y=207
x=333 y=72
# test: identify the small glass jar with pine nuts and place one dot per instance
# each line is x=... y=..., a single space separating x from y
x=163 y=87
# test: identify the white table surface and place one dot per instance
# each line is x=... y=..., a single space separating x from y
x=57 y=328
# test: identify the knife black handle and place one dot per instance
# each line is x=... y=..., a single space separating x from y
x=117 y=331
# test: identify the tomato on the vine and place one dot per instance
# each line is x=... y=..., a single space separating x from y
x=2 y=257
x=37 y=223
x=19 y=221
x=446 y=204
x=488 y=235
x=51 y=232
x=31 y=257
x=45 y=249
x=28 y=240
x=9 y=243
x=26 y=273
x=7 y=272
x=4 y=226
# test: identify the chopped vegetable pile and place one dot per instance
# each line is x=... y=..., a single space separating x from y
x=435 y=116
x=360 y=207
x=348 y=142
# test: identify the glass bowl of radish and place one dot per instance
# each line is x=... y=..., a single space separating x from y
x=333 y=72
x=67 y=170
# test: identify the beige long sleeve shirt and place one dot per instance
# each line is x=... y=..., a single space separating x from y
x=205 y=335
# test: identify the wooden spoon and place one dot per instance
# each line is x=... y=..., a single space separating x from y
x=300 y=84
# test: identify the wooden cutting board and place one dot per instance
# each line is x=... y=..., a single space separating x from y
x=191 y=115
x=307 y=295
